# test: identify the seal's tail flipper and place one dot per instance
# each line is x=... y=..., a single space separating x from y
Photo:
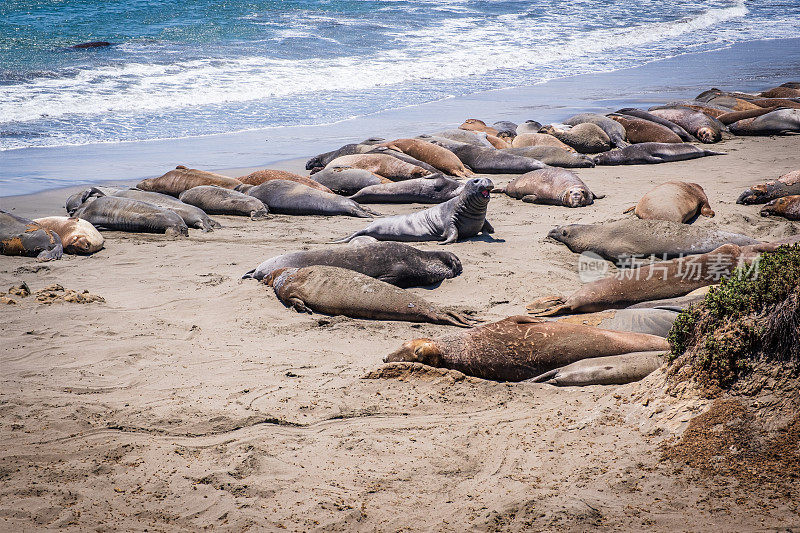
x=712 y=152
x=599 y=196
x=250 y=274
x=547 y=306
x=346 y=239
x=454 y=318
x=541 y=378
x=622 y=144
x=52 y=254
x=631 y=208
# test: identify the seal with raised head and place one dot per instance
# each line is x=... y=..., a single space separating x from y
x=193 y=216
x=219 y=201
x=176 y=181
x=539 y=139
x=473 y=124
x=349 y=181
x=125 y=214
x=610 y=370
x=778 y=122
x=339 y=291
x=519 y=347
x=428 y=190
x=706 y=129
x=676 y=201
x=652 y=153
x=654 y=281
x=585 y=138
x=644 y=115
x=786 y=185
x=490 y=161
x=640 y=130
x=290 y=198
x=626 y=239
x=615 y=131
x=787 y=207
x=262 y=176
x=392 y=262
x=22 y=236
x=553 y=156
x=438 y=157
x=553 y=186
x=77 y=236
x=380 y=164
x=459 y=218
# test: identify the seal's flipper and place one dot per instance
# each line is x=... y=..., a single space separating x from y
x=529 y=198
x=450 y=234
x=487 y=227
x=547 y=306
x=541 y=378
x=631 y=208
x=52 y=254
x=598 y=196
x=298 y=305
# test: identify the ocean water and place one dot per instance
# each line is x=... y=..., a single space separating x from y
x=201 y=67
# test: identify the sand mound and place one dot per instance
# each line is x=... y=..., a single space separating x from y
x=404 y=371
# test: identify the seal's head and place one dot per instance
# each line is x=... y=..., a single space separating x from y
x=480 y=187
x=472 y=123
x=706 y=135
x=78 y=199
x=754 y=195
x=423 y=350
x=577 y=197
x=777 y=206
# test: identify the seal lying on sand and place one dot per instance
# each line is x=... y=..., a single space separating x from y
x=338 y=291
x=21 y=236
x=348 y=180
x=787 y=207
x=429 y=190
x=438 y=157
x=705 y=128
x=665 y=279
x=539 y=139
x=290 y=198
x=529 y=126
x=125 y=214
x=262 y=176
x=735 y=116
x=778 y=122
x=392 y=262
x=553 y=156
x=470 y=137
x=380 y=164
x=610 y=370
x=463 y=216
x=554 y=186
x=219 y=201
x=677 y=201
x=491 y=161
x=176 y=181
x=473 y=124
x=653 y=321
x=520 y=347
x=615 y=131
x=193 y=216
x=786 y=185
x=77 y=236
x=652 y=153
x=402 y=156
x=640 y=130
x=585 y=138
x=644 y=115
x=630 y=238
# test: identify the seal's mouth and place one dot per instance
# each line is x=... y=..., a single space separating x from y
x=485 y=191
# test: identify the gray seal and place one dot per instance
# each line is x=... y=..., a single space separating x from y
x=463 y=216
x=652 y=153
x=194 y=217
x=614 y=130
x=778 y=122
x=529 y=126
x=477 y=138
x=505 y=129
x=553 y=156
x=291 y=198
x=22 y=236
x=610 y=370
x=393 y=262
x=347 y=181
x=219 y=201
x=490 y=160
x=640 y=113
x=429 y=190
x=652 y=321
x=126 y=214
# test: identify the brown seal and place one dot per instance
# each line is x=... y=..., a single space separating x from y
x=539 y=139
x=520 y=347
x=339 y=291
x=78 y=236
x=551 y=185
x=434 y=155
x=260 y=176
x=473 y=124
x=381 y=164
x=182 y=179
x=735 y=116
x=781 y=92
x=585 y=138
x=638 y=130
x=677 y=201
x=787 y=207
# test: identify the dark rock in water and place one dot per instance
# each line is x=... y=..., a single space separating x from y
x=92 y=44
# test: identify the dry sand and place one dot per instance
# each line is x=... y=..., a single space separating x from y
x=192 y=399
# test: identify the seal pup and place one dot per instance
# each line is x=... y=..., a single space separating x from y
x=553 y=156
x=193 y=216
x=262 y=176
x=640 y=130
x=380 y=164
x=438 y=157
x=176 y=181
x=553 y=186
x=219 y=201
x=428 y=190
x=786 y=206
x=22 y=236
x=652 y=153
x=778 y=122
x=78 y=236
x=290 y=198
x=610 y=370
x=615 y=131
x=644 y=115
x=339 y=291
x=786 y=185
x=585 y=138
x=393 y=262
x=520 y=347
x=348 y=181
x=462 y=217
x=706 y=129
x=677 y=201
x=126 y=214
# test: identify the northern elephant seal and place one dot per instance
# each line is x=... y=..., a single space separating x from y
x=554 y=186
x=519 y=348
x=787 y=207
x=470 y=137
x=676 y=201
x=491 y=161
x=585 y=138
x=736 y=116
x=78 y=236
x=402 y=156
x=438 y=157
x=126 y=214
x=664 y=279
x=462 y=217
x=219 y=201
x=262 y=176
x=539 y=139
x=786 y=185
x=339 y=291
x=644 y=115
x=428 y=190
x=652 y=153
x=506 y=129
x=529 y=126
x=176 y=181
x=627 y=239
x=22 y=236
x=473 y=124
x=321 y=160
x=610 y=370
x=640 y=130
x=348 y=181
x=706 y=129
x=193 y=216
x=290 y=198
x=553 y=156
x=778 y=122
x=393 y=262
x=781 y=91
x=778 y=102
x=653 y=321
x=615 y=131
x=380 y=164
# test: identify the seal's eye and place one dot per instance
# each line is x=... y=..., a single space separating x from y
x=563 y=233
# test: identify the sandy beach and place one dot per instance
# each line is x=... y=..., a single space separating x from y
x=192 y=399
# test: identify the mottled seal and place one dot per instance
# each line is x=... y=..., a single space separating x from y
x=348 y=181
x=653 y=321
x=428 y=190
x=652 y=153
x=459 y=218
x=380 y=164
x=438 y=157
x=473 y=124
x=539 y=139
x=193 y=216
x=778 y=122
x=626 y=239
x=290 y=198
x=644 y=115
x=553 y=156
x=553 y=186
x=664 y=279
x=77 y=236
x=339 y=291
x=219 y=201
x=786 y=206
x=490 y=161
x=610 y=370
x=176 y=181
x=640 y=130
x=22 y=236
x=677 y=201
x=786 y=185
x=706 y=129
x=126 y=214
x=262 y=176
x=519 y=348
x=392 y=262
x=615 y=132
x=585 y=138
